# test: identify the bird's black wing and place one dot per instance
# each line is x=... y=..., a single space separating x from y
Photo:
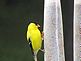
x=30 y=43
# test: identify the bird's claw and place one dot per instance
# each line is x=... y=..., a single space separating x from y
x=42 y=50
x=42 y=35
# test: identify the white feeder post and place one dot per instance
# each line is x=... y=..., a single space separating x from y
x=53 y=31
x=77 y=30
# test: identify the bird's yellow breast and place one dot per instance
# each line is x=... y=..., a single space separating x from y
x=35 y=37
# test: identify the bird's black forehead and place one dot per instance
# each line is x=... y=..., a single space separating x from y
x=34 y=22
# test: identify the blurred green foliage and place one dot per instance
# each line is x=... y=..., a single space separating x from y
x=14 y=15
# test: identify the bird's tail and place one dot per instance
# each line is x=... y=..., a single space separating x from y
x=35 y=56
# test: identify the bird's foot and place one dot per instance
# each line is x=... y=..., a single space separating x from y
x=42 y=34
x=42 y=50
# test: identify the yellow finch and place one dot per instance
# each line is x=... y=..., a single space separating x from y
x=34 y=38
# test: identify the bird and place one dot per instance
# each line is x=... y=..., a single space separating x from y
x=34 y=38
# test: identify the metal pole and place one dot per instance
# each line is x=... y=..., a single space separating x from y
x=53 y=31
x=77 y=30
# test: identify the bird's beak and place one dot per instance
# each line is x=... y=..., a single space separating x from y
x=38 y=25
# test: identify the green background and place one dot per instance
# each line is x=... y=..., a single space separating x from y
x=14 y=18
